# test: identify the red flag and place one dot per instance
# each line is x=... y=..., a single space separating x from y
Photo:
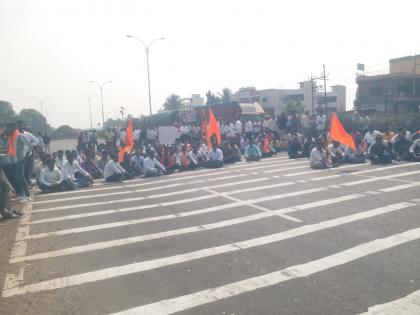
x=212 y=129
x=339 y=134
x=128 y=141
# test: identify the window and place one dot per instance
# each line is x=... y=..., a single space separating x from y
x=264 y=100
x=376 y=91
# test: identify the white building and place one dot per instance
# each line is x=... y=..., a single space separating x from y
x=274 y=101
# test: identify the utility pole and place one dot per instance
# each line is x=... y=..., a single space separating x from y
x=324 y=77
x=314 y=89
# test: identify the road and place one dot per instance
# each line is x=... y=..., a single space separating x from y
x=270 y=237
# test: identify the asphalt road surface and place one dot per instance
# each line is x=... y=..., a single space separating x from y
x=270 y=237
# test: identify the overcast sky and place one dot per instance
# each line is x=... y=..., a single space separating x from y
x=52 y=48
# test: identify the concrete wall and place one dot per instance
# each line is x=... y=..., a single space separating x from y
x=404 y=64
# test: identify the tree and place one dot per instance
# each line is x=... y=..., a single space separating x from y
x=7 y=114
x=294 y=106
x=65 y=132
x=226 y=95
x=173 y=102
x=211 y=98
x=35 y=120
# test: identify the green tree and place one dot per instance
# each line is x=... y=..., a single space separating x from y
x=7 y=114
x=294 y=106
x=35 y=120
x=226 y=95
x=211 y=98
x=173 y=102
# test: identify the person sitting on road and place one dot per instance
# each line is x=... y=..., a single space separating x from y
x=186 y=160
x=103 y=160
x=51 y=179
x=295 y=148
x=236 y=152
x=379 y=152
x=401 y=146
x=266 y=149
x=415 y=149
x=357 y=156
x=228 y=154
x=126 y=164
x=319 y=158
x=89 y=165
x=151 y=166
x=214 y=156
x=114 y=172
x=73 y=174
x=336 y=153
x=252 y=151
x=198 y=155
x=136 y=161
x=308 y=145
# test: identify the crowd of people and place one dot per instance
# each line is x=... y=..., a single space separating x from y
x=26 y=160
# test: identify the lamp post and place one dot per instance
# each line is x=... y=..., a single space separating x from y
x=90 y=107
x=147 y=48
x=41 y=105
x=101 y=86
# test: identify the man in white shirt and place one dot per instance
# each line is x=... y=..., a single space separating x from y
x=73 y=173
x=51 y=179
x=214 y=157
x=319 y=157
x=336 y=153
x=198 y=155
x=321 y=121
x=186 y=160
x=136 y=136
x=370 y=135
x=238 y=127
x=151 y=166
x=113 y=171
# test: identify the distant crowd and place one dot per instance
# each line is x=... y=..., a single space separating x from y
x=26 y=159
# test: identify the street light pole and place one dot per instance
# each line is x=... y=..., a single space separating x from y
x=90 y=107
x=147 y=48
x=101 y=86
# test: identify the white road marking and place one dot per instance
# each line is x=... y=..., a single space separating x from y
x=359 y=172
x=130 y=222
x=322 y=171
x=304 y=270
x=409 y=304
x=15 y=279
x=323 y=263
x=374 y=179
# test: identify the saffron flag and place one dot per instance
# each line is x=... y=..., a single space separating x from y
x=212 y=129
x=339 y=134
x=128 y=142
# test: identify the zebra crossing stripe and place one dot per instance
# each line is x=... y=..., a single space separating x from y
x=342 y=257
x=142 y=238
x=409 y=304
x=189 y=301
x=374 y=179
x=131 y=222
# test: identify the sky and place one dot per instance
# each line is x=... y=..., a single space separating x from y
x=51 y=49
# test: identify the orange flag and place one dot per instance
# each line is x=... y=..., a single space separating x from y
x=128 y=141
x=339 y=134
x=212 y=129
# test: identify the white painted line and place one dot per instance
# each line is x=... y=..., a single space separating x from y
x=400 y=187
x=326 y=170
x=304 y=270
x=360 y=172
x=277 y=170
x=409 y=304
x=374 y=179
x=131 y=222
x=239 y=191
x=15 y=279
x=209 y=187
x=118 y=271
x=277 y=164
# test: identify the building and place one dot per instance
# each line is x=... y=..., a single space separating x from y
x=274 y=101
x=395 y=92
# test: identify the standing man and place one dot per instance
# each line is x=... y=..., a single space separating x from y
x=321 y=121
